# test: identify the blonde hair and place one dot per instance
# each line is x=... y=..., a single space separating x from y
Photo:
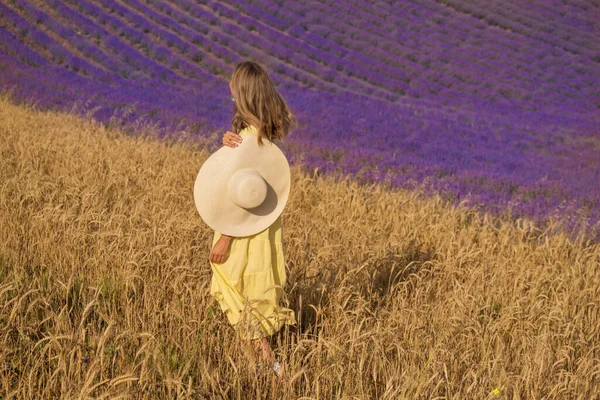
x=257 y=103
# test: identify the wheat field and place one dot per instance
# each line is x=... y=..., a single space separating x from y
x=104 y=284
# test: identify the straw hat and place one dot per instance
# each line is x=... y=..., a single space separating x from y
x=241 y=191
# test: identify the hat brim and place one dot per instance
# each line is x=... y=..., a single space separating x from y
x=211 y=187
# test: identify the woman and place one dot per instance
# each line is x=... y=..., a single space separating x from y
x=251 y=301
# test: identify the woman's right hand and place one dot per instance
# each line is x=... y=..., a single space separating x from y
x=219 y=253
x=231 y=139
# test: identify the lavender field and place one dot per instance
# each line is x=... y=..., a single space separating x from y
x=492 y=102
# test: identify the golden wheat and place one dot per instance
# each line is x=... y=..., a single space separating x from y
x=104 y=280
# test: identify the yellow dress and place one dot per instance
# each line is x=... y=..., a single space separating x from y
x=249 y=284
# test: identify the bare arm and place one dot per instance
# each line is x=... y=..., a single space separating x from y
x=221 y=249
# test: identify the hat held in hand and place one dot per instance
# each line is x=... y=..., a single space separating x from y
x=241 y=191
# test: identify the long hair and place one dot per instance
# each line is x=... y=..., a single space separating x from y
x=258 y=103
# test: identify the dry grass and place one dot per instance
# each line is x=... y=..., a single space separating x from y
x=104 y=284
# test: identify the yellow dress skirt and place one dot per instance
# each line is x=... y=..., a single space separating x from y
x=249 y=284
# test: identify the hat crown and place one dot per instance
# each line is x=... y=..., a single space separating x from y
x=247 y=188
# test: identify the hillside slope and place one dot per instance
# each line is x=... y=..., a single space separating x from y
x=495 y=102
x=104 y=284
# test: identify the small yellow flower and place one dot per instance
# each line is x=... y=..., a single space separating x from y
x=496 y=392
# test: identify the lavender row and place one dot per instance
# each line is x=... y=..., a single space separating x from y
x=411 y=89
x=360 y=66
x=11 y=45
x=424 y=84
x=186 y=27
x=509 y=17
x=512 y=92
x=152 y=100
x=375 y=40
x=459 y=51
x=57 y=52
x=257 y=47
x=90 y=50
x=127 y=44
x=179 y=54
x=270 y=41
x=135 y=61
x=273 y=52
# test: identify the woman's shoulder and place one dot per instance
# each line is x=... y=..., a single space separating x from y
x=249 y=130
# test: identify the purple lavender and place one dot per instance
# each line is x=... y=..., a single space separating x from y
x=491 y=103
